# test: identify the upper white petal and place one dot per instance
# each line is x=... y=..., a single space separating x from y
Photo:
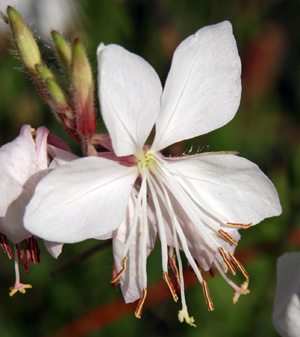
x=84 y=199
x=129 y=93
x=203 y=88
x=231 y=186
x=286 y=311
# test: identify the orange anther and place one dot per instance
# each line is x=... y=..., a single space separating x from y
x=239 y=225
x=172 y=261
x=227 y=261
x=207 y=296
x=139 y=308
x=239 y=265
x=228 y=237
x=170 y=285
x=121 y=271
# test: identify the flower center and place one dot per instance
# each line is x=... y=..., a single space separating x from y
x=147 y=161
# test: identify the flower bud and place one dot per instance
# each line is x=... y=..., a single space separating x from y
x=27 y=47
x=63 y=51
x=58 y=99
x=83 y=91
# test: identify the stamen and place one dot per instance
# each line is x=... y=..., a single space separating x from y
x=139 y=308
x=25 y=264
x=172 y=261
x=5 y=246
x=121 y=271
x=212 y=272
x=227 y=237
x=207 y=296
x=114 y=275
x=227 y=261
x=170 y=285
x=239 y=225
x=239 y=265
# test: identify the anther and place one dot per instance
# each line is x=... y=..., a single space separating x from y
x=239 y=225
x=139 y=308
x=172 y=261
x=207 y=296
x=121 y=271
x=227 y=261
x=227 y=237
x=5 y=246
x=170 y=285
x=239 y=265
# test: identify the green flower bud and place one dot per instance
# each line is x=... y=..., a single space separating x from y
x=58 y=99
x=27 y=47
x=63 y=51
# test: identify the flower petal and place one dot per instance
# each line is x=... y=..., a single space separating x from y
x=203 y=88
x=229 y=185
x=83 y=199
x=286 y=310
x=54 y=248
x=18 y=161
x=129 y=93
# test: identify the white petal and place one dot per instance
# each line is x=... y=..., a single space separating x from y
x=54 y=248
x=129 y=93
x=286 y=310
x=232 y=186
x=18 y=161
x=84 y=199
x=203 y=88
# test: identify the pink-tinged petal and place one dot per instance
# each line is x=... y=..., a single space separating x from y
x=54 y=248
x=12 y=224
x=203 y=88
x=84 y=199
x=129 y=93
x=41 y=147
x=60 y=157
x=18 y=161
x=230 y=186
x=286 y=311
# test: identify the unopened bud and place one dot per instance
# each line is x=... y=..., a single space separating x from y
x=28 y=49
x=83 y=91
x=59 y=100
x=63 y=51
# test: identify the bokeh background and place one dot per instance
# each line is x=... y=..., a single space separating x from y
x=79 y=300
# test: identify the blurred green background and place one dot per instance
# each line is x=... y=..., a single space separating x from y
x=266 y=130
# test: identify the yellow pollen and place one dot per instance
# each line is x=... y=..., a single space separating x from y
x=33 y=132
x=147 y=161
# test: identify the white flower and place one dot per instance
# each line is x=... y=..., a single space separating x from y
x=23 y=162
x=286 y=310
x=196 y=203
